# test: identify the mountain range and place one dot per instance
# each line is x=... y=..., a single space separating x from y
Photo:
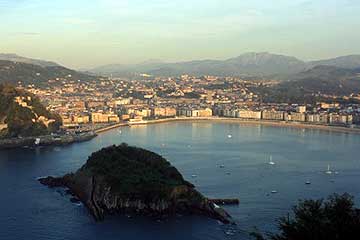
x=339 y=75
x=261 y=64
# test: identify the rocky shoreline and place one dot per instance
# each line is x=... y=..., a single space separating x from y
x=48 y=140
x=101 y=203
x=107 y=185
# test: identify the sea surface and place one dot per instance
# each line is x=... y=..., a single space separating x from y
x=31 y=211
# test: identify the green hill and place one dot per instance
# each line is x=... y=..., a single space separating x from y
x=24 y=73
x=308 y=85
x=126 y=179
x=22 y=114
x=16 y=58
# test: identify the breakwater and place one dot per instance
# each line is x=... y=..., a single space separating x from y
x=48 y=140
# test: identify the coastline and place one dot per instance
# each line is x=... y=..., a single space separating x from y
x=300 y=125
x=74 y=138
x=108 y=128
x=47 y=140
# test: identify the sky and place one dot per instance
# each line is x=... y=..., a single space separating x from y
x=89 y=33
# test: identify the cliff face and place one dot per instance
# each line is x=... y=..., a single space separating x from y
x=160 y=195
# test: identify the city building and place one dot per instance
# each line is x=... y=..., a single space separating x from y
x=273 y=115
x=296 y=117
x=247 y=114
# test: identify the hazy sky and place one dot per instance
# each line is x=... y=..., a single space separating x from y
x=86 y=33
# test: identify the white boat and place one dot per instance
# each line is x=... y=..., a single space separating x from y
x=307 y=182
x=193 y=176
x=222 y=166
x=271 y=161
x=329 y=172
x=37 y=141
x=229 y=136
x=216 y=206
x=274 y=191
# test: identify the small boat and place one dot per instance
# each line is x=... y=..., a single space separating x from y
x=228 y=173
x=329 y=172
x=230 y=232
x=307 y=182
x=229 y=136
x=271 y=161
x=216 y=206
x=274 y=191
x=37 y=141
x=222 y=166
x=194 y=176
x=57 y=149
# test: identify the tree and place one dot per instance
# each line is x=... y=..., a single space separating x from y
x=333 y=219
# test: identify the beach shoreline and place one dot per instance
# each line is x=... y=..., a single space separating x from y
x=66 y=140
x=286 y=124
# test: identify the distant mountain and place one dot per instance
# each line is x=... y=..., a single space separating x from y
x=324 y=80
x=351 y=61
x=253 y=64
x=22 y=114
x=127 y=70
x=258 y=64
x=14 y=72
x=17 y=58
x=247 y=64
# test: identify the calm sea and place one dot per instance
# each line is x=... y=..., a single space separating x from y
x=31 y=211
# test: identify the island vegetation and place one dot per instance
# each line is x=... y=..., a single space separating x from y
x=122 y=178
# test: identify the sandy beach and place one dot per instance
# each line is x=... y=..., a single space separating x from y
x=240 y=121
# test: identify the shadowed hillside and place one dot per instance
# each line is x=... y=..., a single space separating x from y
x=22 y=114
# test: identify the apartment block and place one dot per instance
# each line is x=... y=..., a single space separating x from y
x=273 y=115
x=249 y=114
x=296 y=117
x=164 y=112
x=104 y=118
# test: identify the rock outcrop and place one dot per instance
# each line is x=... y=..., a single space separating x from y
x=123 y=179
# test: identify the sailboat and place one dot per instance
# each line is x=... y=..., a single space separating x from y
x=329 y=172
x=271 y=161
